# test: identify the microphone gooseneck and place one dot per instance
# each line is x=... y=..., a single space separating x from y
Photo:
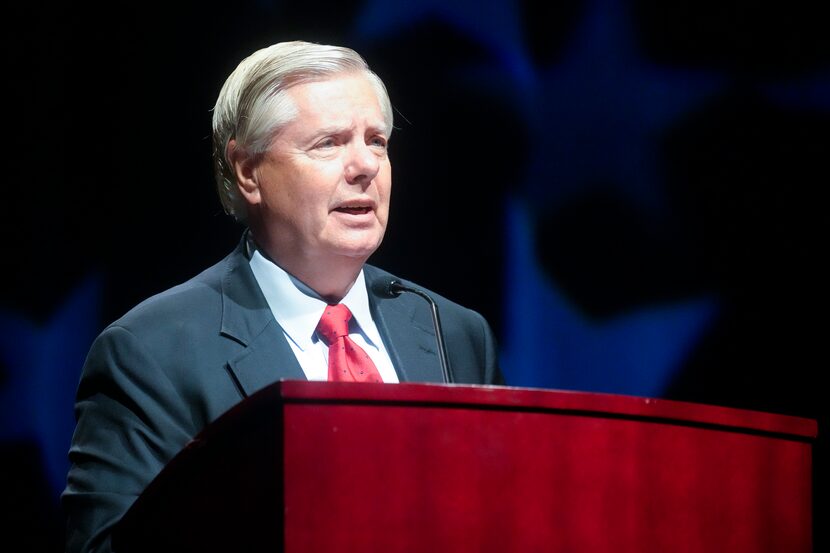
x=392 y=288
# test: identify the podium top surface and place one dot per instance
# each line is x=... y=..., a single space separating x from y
x=543 y=400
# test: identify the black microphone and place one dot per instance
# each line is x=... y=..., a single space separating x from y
x=388 y=287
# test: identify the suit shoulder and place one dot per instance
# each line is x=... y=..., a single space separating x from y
x=196 y=299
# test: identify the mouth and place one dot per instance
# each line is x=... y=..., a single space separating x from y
x=354 y=210
x=356 y=206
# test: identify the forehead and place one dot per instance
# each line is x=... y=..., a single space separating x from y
x=346 y=97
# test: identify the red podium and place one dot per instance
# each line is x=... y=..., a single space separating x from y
x=315 y=467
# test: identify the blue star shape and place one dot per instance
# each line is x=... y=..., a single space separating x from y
x=43 y=366
x=549 y=343
x=596 y=117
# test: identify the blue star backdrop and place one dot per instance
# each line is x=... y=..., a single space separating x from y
x=627 y=190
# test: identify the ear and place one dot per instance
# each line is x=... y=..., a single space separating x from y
x=244 y=167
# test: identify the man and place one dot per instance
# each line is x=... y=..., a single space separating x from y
x=301 y=134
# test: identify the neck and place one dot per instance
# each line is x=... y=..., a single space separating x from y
x=329 y=276
x=332 y=284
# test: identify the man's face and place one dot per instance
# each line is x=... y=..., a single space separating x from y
x=324 y=183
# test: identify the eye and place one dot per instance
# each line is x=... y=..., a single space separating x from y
x=328 y=142
x=378 y=141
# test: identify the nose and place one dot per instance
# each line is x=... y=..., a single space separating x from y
x=361 y=164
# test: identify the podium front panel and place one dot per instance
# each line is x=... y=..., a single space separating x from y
x=366 y=473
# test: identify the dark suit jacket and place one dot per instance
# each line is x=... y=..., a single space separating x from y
x=173 y=364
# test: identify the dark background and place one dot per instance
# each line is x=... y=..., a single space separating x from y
x=627 y=190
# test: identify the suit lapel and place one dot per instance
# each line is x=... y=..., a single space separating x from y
x=267 y=358
x=247 y=319
x=411 y=343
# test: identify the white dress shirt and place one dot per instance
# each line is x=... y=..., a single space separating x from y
x=297 y=309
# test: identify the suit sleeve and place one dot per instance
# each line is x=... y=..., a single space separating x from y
x=130 y=421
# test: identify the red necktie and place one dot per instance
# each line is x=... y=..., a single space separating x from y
x=347 y=361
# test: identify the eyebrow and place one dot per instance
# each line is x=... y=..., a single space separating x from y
x=337 y=129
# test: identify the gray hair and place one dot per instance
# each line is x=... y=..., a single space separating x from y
x=253 y=105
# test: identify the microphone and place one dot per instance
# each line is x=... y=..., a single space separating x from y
x=388 y=287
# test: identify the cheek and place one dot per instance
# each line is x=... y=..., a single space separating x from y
x=308 y=193
x=384 y=181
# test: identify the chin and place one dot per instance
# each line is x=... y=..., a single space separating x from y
x=358 y=249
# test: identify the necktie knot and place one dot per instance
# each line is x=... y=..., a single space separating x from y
x=334 y=323
x=347 y=361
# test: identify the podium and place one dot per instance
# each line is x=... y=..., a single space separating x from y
x=316 y=466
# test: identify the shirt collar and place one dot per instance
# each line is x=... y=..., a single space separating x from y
x=357 y=300
x=297 y=308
